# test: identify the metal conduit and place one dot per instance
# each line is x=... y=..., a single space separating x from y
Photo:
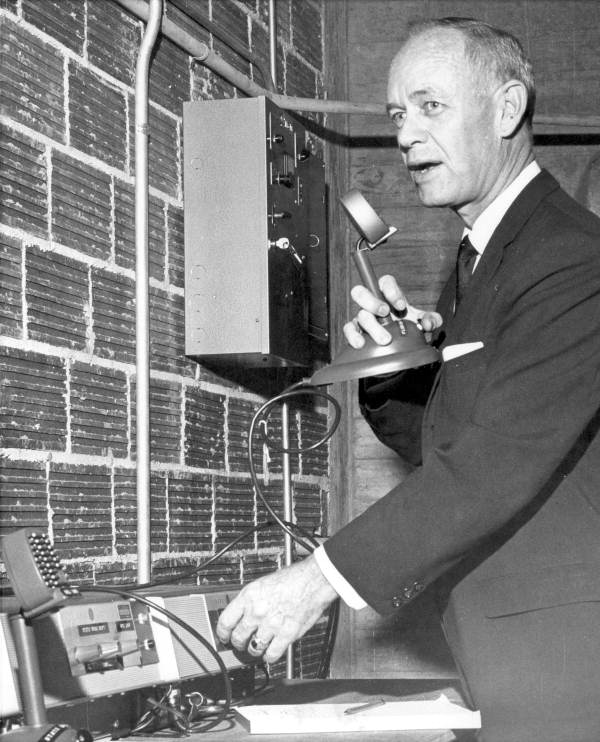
x=142 y=311
x=220 y=33
x=217 y=64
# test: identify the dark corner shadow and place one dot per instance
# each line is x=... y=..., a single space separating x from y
x=564 y=140
x=266 y=382
x=332 y=136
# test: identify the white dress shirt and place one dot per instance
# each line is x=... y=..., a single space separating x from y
x=479 y=235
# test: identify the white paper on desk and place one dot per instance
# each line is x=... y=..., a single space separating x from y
x=460 y=349
x=329 y=717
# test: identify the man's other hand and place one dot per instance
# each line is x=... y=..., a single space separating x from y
x=272 y=612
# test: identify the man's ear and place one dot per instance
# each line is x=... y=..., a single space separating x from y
x=512 y=104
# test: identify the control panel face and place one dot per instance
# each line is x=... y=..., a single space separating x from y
x=107 y=636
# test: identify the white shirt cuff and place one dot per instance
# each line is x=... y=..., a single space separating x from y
x=337 y=581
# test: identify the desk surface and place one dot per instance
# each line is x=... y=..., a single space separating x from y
x=350 y=691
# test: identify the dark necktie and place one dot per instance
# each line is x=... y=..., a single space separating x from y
x=465 y=262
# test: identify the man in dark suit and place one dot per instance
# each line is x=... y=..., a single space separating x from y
x=502 y=514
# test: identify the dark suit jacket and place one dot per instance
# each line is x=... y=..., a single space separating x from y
x=505 y=509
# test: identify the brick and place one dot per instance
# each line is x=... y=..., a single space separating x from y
x=256 y=566
x=307 y=36
x=80 y=500
x=158 y=511
x=164 y=172
x=234 y=511
x=113 y=316
x=23 y=183
x=232 y=58
x=62 y=19
x=284 y=18
x=97 y=120
x=173 y=568
x=126 y=511
x=99 y=412
x=81 y=573
x=113 y=40
x=169 y=83
x=239 y=417
x=11 y=312
x=313 y=428
x=32 y=406
x=175 y=246
x=31 y=81
x=191 y=17
x=165 y=420
x=156 y=238
x=115 y=573
x=23 y=503
x=57 y=294
x=204 y=429
x=167 y=331
x=190 y=511
x=125 y=231
x=228 y=15
x=224 y=571
x=300 y=79
x=310 y=650
x=10 y=5
x=273 y=494
x=308 y=507
x=81 y=206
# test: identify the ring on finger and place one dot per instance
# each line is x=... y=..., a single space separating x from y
x=256 y=646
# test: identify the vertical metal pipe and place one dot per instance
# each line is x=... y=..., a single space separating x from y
x=273 y=40
x=288 y=513
x=141 y=292
x=30 y=680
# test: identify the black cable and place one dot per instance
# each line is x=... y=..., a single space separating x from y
x=195 y=570
x=329 y=641
x=301 y=388
x=196 y=634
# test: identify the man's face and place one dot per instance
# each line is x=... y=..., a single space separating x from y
x=446 y=127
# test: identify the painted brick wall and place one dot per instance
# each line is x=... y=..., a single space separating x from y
x=67 y=300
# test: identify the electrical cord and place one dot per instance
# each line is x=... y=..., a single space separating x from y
x=301 y=388
x=222 y=715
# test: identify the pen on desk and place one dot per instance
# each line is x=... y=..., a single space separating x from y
x=364 y=706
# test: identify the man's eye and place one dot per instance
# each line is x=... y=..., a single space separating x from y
x=398 y=118
x=432 y=106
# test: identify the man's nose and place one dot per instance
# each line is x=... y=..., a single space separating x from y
x=412 y=132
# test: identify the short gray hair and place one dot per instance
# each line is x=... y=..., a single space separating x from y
x=494 y=54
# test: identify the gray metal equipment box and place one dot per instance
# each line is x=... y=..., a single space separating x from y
x=256 y=278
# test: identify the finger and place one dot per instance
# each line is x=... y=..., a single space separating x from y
x=393 y=293
x=229 y=619
x=259 y=642
x=431 y=321
x=353 y=334
x=366 y=300
x=242 y=633
x=372 y=327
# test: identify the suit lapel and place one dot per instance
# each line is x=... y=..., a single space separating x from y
x=504 y=234
x=458 y=327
